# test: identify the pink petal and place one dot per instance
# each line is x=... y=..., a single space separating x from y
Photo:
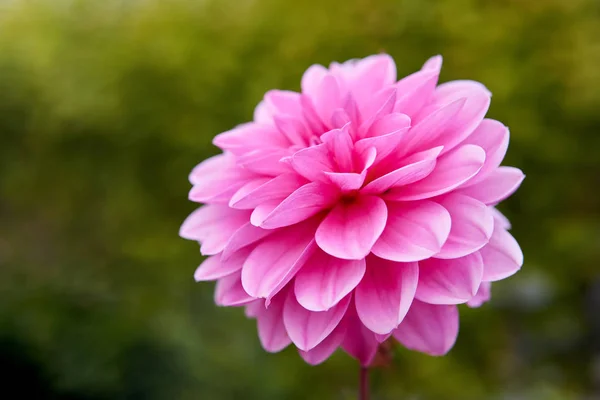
x=347 y=181
x=497 y=186
x=470 y=116
x=278 y=188
x=502 y=256
x=385 y=294
x=271 y=330
x=251 y=310
x=311 y=80
x=216 y=179
x=451 y=170
x=339 y=144
x=283 y=102
x=433 y=64
x=414 y=231
x=250 y=136
x=293 y=129
x=472 y=226
x=351 y=229
x=380 y=104
x=414 y=91
x=500 y=219
x=429 y=328
x=325 y=280
x=449 y=281
x=492 y=136
x=213 y=225
x=327 y=347
x=303 y=203
x=327 y=99
x=312 y=162
x=372 y=74
x=386 y=135
x=214 y=267
x=417 y=167
x=265 y=161
x=276 y=259
x=309 y=328
x=483 y=295
x=229 y=291
x=426 y=130
x=359 y=342
x=244 y=236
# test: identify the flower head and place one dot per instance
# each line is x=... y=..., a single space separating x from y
x=359 y=209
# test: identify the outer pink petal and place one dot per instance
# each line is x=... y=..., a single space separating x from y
x=502 y=256
x=250 y=136
x=309 y=328
x=311 y=80
x=276 y=259
x=429 y=328
x=449 y=281
x=271 y=330
x=414 y=231
x=327 y=99
x=359 y=342
x=214 y=267
x=327 y=347
x=415 y=90
x=283 y=102
x=492 y=136
x=500 y=219
x=452 y=170
x=325 y=280
x=417 y=167
x=472 y=225
x=244 y=236
x=249 y=197
x=213 y=225
x=370 y=75
x=229 y=291
x=293 y=129
x=303 y=203
x=497 y=186
x=484 y=294
x=251 y=310
x=216 y=179
x=265 y=161
x=385 y=294
x=380 y=104
x=351 y=229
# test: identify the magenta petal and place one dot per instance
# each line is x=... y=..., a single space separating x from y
x=417 y=167
x=414 y=231
x=347 y=181
x=249 y=197
x=271 y=330
x=497 y=186
x=385 y=294
x=327 y=99
x=451 y=170
x=370 y=75
x=472 y=226
x=229 y=291
x=492 y=136
x=265 y=161
x=309 y=328
x=213 y=225
x=293 y=129
x=303 y=203
x=351 y=229
x=250 y=136
x=339 y=144
x=214 y=267
x=276 y=259
x=415 y=91
x=324 y=280
x=502 y=256
x=483 y=295
x=327 y=347
x=429 y=328
x=380 y=105
x=386 y=135
x=312 y=162
x=244 y=236
x=449 y=281
x=359 y=342
x=216 y=179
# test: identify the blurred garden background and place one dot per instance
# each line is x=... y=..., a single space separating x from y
x=105 y=106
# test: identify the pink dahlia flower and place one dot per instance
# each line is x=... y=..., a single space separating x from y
x=359 y=209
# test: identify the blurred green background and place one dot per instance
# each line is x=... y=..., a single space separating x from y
x=105 y=106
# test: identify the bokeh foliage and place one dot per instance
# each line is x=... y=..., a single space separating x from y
x=105 y=106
